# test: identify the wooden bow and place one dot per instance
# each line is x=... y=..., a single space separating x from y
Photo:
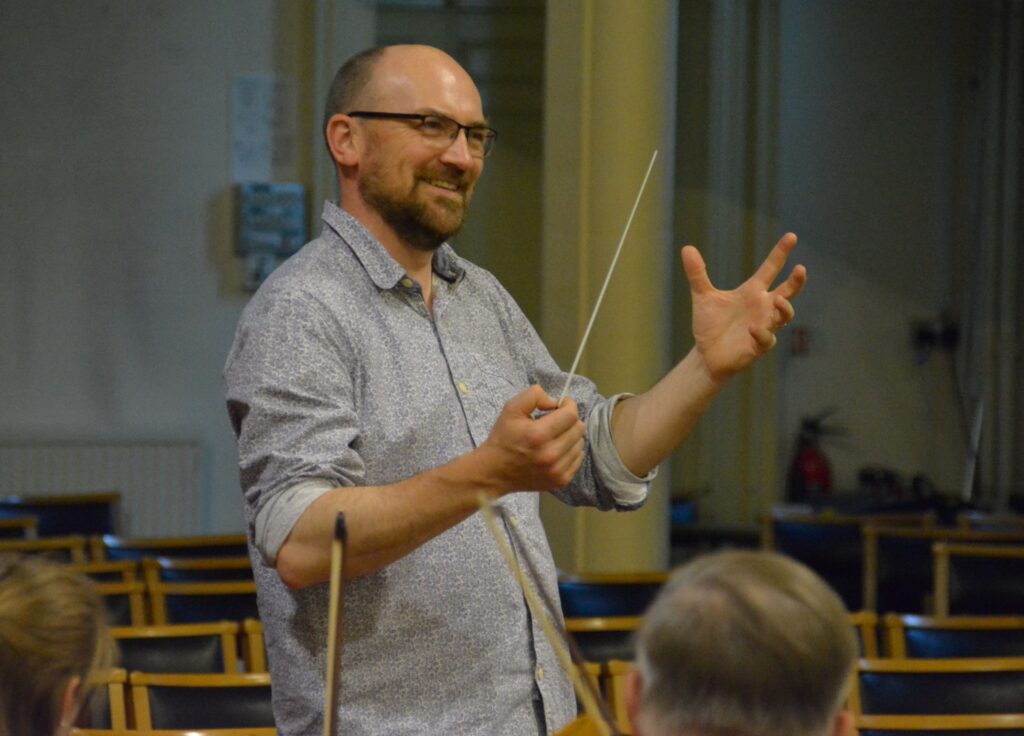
x=595 y=720
x=335 y=623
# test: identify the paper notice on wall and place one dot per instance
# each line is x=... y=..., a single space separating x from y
x=263 y=128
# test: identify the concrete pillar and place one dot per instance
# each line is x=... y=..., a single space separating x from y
x=609 y=102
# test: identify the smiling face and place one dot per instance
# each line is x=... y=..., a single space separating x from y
x=419 y=189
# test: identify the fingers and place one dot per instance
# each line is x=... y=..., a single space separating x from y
x=792 y=286
x=538 y=454
x=773 y=264
x=763 y=338
x=783 y=313
x=696 y=270
x=528 y=401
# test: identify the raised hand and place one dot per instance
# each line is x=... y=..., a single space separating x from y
x=734 y=328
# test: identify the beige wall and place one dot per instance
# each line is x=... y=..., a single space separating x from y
x=118 y=291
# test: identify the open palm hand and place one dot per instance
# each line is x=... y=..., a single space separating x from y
x=734 y=328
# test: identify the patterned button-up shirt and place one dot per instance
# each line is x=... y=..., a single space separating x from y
x=340 y=376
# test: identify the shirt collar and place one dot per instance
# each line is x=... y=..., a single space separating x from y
x=382 y=269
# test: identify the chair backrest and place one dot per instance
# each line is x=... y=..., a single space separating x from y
x=135 y=548
x=956 y=636
x=613 y=594
x=602 y=638
x=61 y=549
x=613 y=675
x=254 y=646
x=989 y=521
x=123 y=571
x=201 y=701
x=898 y=564
x=180 y=648
x=978 y=579
x=19 y=527
x=957 y=725
x=197 y=569
x=107 y=706
x=181 y=603
x=865 y=626
x=126 y=603
x=64 y=514
x=938 y=686
x=831 y=544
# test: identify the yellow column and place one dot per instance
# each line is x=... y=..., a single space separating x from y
x=609 y=103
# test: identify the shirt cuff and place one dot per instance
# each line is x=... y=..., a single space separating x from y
x=629 y=490
x=275 y=520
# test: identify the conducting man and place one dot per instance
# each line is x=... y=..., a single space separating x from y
x=378 y=373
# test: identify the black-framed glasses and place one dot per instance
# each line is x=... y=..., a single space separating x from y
x=440 y=129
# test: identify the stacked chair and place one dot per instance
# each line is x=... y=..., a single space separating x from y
x=938 y=611
x=182 y=612
x=198 y=661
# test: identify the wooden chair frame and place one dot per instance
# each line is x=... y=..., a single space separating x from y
x=111 y=499
x=575 y=624
x=73 y=545
x=986 y=520
x=139 y=682
x=115 y=682
x=136 y=592
x=227 y=631
x=154 y=566
x=613 y=673
x=645 y=577
x=826 y=518
x=127 y=569
x=941 y=552
x=163 y=546
x=896 y=625
x=872 y=533
x=928 y=667
x=28 y=525
x=993 y=722
x=159 y=591
x=866 y=624
x=254 y=646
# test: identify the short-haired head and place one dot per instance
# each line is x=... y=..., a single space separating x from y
x=745 y=643
x=351 y=87
x=376 y=75
x=53 y=633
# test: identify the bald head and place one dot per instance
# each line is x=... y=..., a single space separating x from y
x=399 y=79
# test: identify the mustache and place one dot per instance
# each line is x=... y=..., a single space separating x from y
x=456 y=178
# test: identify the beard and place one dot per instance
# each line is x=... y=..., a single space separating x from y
x=423 y=222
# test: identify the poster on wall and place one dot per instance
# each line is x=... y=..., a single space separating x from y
x=270 y=208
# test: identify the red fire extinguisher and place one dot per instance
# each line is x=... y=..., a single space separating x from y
x=810 y=473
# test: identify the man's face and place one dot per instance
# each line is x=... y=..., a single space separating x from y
x=421 y=188
x=420 y=196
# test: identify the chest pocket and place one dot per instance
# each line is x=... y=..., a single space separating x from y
x=491 y=384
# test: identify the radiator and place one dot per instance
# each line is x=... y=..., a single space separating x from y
x=158 y=481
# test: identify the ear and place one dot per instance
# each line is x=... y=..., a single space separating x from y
x=70 y=704
x=340 y=134
x=843 y=725
x=634 y=686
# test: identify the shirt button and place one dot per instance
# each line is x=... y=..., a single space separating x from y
x=463 y=388
x=540 y=674
x=407 y=282
x=514 y=522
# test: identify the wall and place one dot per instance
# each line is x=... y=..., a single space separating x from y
x=119 y=291
x=119 y=294
x=867 y=153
